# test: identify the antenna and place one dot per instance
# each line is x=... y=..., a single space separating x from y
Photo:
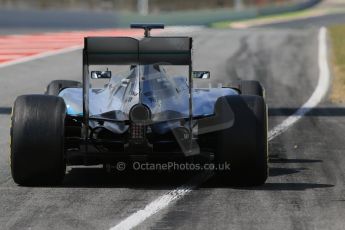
x=147 y=27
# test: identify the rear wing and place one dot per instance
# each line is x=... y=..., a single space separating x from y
x=126 y=50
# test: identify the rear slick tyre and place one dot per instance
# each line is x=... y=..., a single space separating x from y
x=251 y=87
x=244 y=145
x=55 y=87
x=37 y=140
x=247 y=87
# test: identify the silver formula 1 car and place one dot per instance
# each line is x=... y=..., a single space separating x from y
x=148 y=111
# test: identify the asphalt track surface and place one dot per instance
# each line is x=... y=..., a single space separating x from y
x=305 y=189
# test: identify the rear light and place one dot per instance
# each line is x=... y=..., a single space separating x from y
x=137 y=131
x=140 y=116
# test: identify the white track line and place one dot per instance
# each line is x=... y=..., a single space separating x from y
x=319 y=93
x=165 y=200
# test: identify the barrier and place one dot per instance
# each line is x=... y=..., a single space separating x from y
x=206 y=17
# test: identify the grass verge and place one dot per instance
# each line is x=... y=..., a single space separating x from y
x=337 y=36
x=288 y=15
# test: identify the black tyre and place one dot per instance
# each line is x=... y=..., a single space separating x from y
x=248 y=87
x=252 y=88
x=37 y=140
x=56 y=86
x=244 y=145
